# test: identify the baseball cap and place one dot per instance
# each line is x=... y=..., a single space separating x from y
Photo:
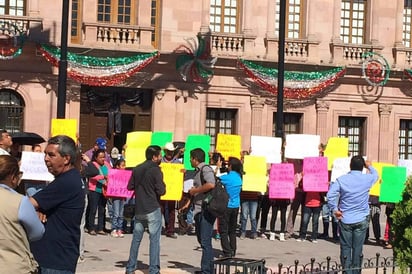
x=101 y=143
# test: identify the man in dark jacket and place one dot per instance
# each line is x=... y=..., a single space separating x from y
x=147 y=182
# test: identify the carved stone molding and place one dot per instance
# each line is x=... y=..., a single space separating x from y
x=322 y=105
x=257 y=101
x=385 y=109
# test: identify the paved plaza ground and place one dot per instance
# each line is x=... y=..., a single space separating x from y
x=182 y=255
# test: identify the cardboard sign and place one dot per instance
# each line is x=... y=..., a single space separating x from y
x=268 y=147
x=393 y=184
x=160 y=138
x=137 y=143
x=407 y=164
x=117 y=183
x=376 y=188
x=281 y=181
x=341 y=166
x=229 y=145
x=34 y=168
x=196 y=141
x=64 y=127
x=173 y=178
x=299 y=146
x=255 y=178
x=315 y=174
x=337 y=147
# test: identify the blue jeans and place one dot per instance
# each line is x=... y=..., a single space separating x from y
x=352 y=237
x=248 y=210
x=44 y=270
x=153 y=221
x=307 y=213
x=204 y=230
x=117 y=213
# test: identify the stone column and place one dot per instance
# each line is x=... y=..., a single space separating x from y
x=205 y=20
x=336 y=22
x=399 y=23
x=374 y=26
x=257 y=103
x=271 y=44
x=385 y=137
x=322 y=108
x=247 y=28
x=34 y=8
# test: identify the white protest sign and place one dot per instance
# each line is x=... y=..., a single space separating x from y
x=340 y=167
x=269 y=147
x=299 y=146
x=34 y=167
x=407 y=164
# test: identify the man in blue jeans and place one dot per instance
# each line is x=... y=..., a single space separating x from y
x=203 y=219
x=348 y=198
x=148 y=185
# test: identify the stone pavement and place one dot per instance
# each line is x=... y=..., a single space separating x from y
x=182 y=255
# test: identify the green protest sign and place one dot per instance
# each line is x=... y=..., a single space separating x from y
x=393 y=184
x=160 y=138
x=196 y=141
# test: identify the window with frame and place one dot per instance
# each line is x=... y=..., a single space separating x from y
x=224 y=16
x=11 y=111
x=115 y=11
x=353 y=128
x=220 y=121
x=154 y=22
x=405 y=140
x=353 y=21
x=294 y=18
x=407 y=23
x=291 y=123
x=13 y=7
x=75 y=30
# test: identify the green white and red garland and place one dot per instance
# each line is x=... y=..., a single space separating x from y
x=408 y=73
x=99 y=71
x=195 y=63
x=375 y=69
x=297 y=85
x=12 y=40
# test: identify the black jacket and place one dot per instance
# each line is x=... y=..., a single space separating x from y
x=147 y=182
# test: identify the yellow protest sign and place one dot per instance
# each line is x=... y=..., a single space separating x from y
x=255 y=178
x=64 y=127
x=136 y=145
x=228 y=145
x=337 y=147
x=376 y=188
x=173 y=178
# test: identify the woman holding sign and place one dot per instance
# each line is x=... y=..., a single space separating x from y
x=97 y=185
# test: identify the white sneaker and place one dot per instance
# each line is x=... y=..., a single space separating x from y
x=120 y=234
x=114 y=234
x=272 y=236
x=282 y=237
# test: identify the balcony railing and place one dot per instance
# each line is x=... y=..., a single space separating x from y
x=122 y=36
x=403 y=57
x=227 y=44
x=352 y=54
x=24 y=24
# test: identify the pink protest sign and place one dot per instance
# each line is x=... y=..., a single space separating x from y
x=117 y=183
x=315 y=174
x=281 y=181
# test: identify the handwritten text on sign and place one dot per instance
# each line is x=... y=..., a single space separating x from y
x=315 y=174
x=281 y=181
x=117 y=183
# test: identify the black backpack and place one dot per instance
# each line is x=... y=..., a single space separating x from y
x=215 y=200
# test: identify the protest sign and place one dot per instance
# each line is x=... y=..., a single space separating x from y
x=255 y=178
x=229 y=145
x=117 y=183
x=33 y=167
x=407 y=164
x=376 y=188
x=281 y=181
x=299 y=146
x=196 y=141
x=160 y=138
x=173 y=178
x=341 y=166
x=269 y=147
x=315 y=174
x=393 y=184
x=337 y=147
x=64 y=127
x=136 y=145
